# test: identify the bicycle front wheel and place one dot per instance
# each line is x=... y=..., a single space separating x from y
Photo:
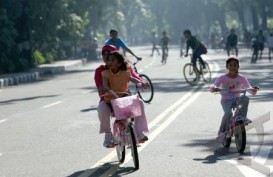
x=132 y=142
x=148 y=93
x=190 y=74
x=206 y=73
x=227 y=141
x=240 y=136
x=120 y=148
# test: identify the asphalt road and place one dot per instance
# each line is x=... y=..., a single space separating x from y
x=50 y=128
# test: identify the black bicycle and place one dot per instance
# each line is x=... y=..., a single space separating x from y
x=146 y=94
x=192 y=74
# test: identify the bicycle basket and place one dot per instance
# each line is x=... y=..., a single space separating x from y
x=126 y=107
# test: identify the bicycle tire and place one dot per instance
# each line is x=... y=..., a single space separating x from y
x=148 y=93
x=120 y=148
x=240 y=136
x=191 y=76
x=227 y=141
x=206 y=73
x=133 y=145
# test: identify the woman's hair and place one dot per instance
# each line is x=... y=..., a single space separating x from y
x=121 y=59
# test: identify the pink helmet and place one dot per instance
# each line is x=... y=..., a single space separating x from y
x=108 y=48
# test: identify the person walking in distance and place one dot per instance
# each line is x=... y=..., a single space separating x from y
x=261 y=40
x=270 y=45
x=154 y=43
x=232 y=40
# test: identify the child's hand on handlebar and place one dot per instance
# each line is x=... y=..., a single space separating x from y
x=143 y=85
x=255 y=87
x=216 y=89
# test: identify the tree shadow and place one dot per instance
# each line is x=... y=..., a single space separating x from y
x=107 y=169
x=25 y=99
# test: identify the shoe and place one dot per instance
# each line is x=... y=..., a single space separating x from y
x=108 y=140
x=221 y=138
x=142 y=138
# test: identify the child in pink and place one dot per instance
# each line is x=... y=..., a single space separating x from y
x=232 y=81
x=104 y=112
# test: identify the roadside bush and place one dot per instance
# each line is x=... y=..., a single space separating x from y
x=38 y=58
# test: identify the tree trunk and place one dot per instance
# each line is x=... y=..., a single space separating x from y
x=255 y=20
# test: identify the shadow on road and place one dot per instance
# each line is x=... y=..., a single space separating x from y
x=25 y=99
x=108 y=169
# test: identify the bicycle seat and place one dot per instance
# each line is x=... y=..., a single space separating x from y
x=139 y=59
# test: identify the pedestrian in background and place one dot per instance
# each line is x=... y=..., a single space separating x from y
x=261 y=40
x=270 y=45
x=255 y=49
x=154 y=43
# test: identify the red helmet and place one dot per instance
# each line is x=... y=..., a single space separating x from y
x=108 y=48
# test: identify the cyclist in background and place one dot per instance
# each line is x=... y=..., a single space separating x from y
x=232 y=41
x=164 y=42
x=119 y=43
x=197 y=48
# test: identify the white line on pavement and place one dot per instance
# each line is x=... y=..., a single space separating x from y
x=86 y=92
x=52 y=104
x=3 y=120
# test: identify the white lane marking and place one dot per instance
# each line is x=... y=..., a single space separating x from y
x=3 y=120
x=164 y=125
x=86 y=92
x=52 y=104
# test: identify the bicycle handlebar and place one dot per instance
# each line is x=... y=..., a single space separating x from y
x=226 y=90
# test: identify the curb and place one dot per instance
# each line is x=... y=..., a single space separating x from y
x=36 y=74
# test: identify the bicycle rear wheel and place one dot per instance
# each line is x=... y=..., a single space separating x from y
x=190 y=74
x=240 y=136
x=206 y=73
x=148 y=93
x=132 y=142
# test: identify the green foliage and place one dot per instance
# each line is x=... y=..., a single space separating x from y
x=38 y=58
x=50 y=56
x=53 y=28
x=270 y=23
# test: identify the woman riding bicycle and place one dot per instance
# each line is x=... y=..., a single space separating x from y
x=232 y=81
x=197 y=48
